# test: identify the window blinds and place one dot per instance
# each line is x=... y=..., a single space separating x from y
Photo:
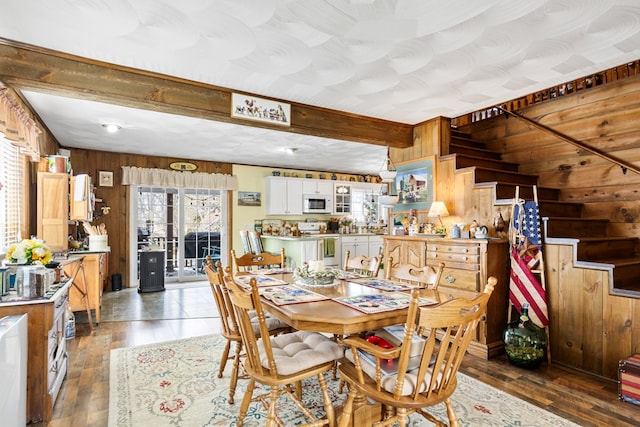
x=11 y=177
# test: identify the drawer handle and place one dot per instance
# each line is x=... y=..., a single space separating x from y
x=449 y=278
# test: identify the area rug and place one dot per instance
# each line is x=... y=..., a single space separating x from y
x=175 y=384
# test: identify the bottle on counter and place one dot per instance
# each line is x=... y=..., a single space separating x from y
x=70 y=324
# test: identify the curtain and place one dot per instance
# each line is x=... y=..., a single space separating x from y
x=17 y=125
x=132 y=175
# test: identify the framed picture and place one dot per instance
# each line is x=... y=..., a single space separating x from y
x=105 y=179
x=263 y=110
x=415 y=184
x=249 y=198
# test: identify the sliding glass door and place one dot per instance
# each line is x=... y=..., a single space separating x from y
x=185 y=224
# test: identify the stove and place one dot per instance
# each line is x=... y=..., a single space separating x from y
x=315 y=227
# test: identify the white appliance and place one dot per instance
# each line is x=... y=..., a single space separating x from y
x=316 y=203
x=13 y=370
x=323 y=247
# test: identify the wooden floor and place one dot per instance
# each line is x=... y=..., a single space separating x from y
x=84 y=398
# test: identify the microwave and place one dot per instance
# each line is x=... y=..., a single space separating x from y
x=316 y=203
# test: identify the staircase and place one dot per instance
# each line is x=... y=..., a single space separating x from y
x=563 y=222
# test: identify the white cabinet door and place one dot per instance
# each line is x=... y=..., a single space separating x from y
x=356 y=245
x=375 y=246
x=294 y=197
x=283 y=196
x=325 y=187
x=342 y=197
x=309 y=250
x=276 y=196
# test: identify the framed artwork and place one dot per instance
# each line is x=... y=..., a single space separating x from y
x=263 y=110
x=249 y=198
x=415 y=184
x=105 y=179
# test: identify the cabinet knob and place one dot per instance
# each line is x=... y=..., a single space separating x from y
x=449 y=278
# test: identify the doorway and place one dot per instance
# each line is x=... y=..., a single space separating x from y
x=185 y=224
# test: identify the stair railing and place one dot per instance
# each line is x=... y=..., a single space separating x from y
x=623 y=165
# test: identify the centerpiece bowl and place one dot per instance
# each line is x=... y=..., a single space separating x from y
x=325 y=277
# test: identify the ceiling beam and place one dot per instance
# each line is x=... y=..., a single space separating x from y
x=32 y=68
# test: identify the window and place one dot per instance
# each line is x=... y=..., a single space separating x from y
x=11 y=177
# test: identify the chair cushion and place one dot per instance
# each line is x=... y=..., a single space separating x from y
x=273 y=323
x=388 y=379
x=297 y=351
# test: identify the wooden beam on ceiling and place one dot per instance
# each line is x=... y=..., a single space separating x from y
x=32 y=68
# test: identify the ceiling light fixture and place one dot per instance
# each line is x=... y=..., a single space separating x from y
x=291 y=151
x=111 y=128
x=389 y=171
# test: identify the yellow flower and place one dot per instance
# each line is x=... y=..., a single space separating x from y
x=29 y=251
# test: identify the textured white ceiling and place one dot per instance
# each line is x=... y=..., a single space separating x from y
x=400 y=60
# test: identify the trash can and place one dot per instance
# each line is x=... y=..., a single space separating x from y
x=116 y=282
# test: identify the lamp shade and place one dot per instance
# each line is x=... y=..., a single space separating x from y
x=388 y=172
x=438 y=209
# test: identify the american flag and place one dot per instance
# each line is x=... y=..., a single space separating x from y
x=523 y=284
x=528 y=222
x=524 y=287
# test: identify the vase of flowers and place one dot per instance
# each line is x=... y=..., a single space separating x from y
x=26 y=258
x=28 y=252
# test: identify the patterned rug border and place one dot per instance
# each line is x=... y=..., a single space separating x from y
x=156 y=384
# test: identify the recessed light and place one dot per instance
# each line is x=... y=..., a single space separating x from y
x=111 y=128
x=291 y=151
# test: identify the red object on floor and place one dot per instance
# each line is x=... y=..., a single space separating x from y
x=629 y=379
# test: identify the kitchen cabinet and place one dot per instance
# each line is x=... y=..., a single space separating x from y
x=356 y=245
x=53 y=209
x=317 y=186
x=406 y=251
x=80 y=200
x=297 y=250
x=468 y=265
x=47 y=347
x=95 y=273
x=342 y=197
x=283 y=196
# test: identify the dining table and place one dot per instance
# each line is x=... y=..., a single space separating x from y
x=332 y=317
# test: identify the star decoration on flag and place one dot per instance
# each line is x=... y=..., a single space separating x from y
x=526 y=248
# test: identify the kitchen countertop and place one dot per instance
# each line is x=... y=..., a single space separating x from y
x=53 y=292
x=88 y=252
x=318 y=236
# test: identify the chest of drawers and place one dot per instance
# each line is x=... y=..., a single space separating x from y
x=468 y=265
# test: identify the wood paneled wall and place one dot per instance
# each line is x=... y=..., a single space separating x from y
x=117 y=197
x=590 y=329
x=606 y=118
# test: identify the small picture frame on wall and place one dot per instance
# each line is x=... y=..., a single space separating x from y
x=105 y=179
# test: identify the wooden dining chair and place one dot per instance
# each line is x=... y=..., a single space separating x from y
x=427 y=277
x=246 y=243
x=281 y=361
x=366 y=266
x=230 y=329
x=249 y=262
x=412 y=384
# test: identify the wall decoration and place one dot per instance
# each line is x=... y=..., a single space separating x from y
x=249 y=198
x=415 y=184
x=260 y=109
x=105 y=179
x=183 y=166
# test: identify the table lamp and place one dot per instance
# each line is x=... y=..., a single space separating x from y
x=438 y=209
